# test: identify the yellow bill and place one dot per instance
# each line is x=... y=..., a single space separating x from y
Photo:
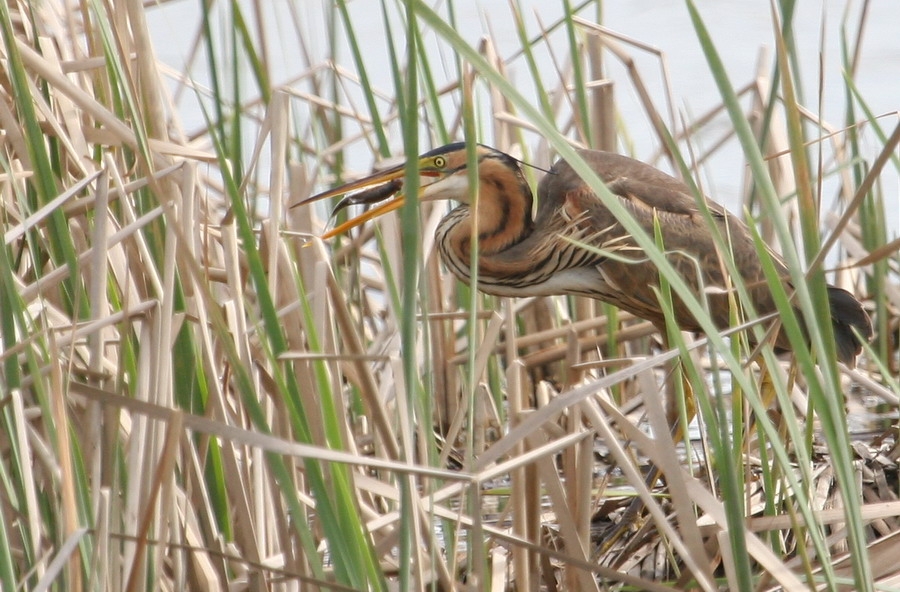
x=384 y=185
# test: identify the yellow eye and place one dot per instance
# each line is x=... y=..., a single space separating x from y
x=439 y=162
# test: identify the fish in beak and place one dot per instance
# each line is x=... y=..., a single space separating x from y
x=445 y=165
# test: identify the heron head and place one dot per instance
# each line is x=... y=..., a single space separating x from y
x=446 y=171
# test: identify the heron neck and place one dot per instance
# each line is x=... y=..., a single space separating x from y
x=503 y=221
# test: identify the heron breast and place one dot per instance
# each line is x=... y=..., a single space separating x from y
x=580 y=281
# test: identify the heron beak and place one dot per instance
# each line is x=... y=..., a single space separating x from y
x=368 y=190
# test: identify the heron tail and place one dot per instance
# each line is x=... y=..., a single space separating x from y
x=850 y=322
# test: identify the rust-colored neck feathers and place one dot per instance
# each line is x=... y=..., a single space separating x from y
x=503 y=216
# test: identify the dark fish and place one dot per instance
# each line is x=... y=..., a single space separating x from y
x=369 y=196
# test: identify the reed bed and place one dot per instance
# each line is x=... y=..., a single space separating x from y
x=198 y=393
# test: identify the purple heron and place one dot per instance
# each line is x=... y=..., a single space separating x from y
x=520 y=254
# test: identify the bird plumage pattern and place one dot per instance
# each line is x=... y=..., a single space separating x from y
x=520 y=254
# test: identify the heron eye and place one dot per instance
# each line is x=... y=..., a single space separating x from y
x=439 y=162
